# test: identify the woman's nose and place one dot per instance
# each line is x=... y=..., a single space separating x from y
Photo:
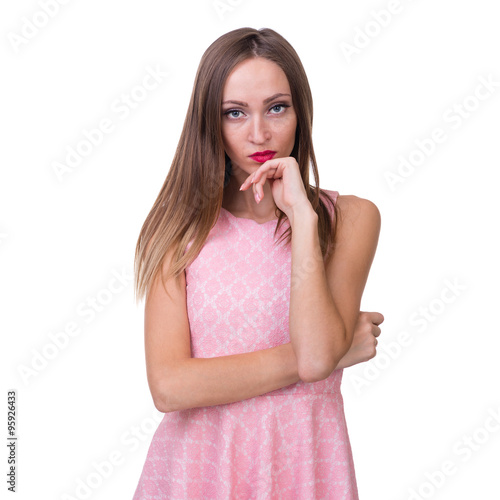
x=259 y=130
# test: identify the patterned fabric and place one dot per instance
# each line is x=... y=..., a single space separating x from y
x=289 y=444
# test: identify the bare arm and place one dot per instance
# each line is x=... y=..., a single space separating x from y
x=316 y=327
x=178 y=381
x=200 y=382
x=347 y=273
x=325 y=299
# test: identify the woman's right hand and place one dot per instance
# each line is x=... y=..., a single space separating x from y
x=364 y=341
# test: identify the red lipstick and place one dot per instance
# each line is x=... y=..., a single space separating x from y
x=262 y=156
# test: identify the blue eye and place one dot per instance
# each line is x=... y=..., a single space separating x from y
x=230 y=112
x=278 y=106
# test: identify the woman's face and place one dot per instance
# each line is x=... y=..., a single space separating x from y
x=257 y=115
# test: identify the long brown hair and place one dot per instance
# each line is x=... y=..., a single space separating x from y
x=190 y=199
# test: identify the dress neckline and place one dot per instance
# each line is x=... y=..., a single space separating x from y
x=250 y=220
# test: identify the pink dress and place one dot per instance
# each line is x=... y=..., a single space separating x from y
x=288 y=444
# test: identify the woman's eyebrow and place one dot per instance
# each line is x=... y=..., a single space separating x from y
x=265 y=101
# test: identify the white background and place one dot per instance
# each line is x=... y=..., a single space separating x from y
x=62 y=238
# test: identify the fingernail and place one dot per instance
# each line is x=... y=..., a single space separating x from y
x=257 y=197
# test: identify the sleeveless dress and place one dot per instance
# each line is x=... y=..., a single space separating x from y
x=288 y=444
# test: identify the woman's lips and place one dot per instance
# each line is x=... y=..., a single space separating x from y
x=262 y=156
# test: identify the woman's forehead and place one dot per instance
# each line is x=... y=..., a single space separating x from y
x=255 y=79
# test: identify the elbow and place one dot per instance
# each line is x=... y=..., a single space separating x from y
x=309 y=377
x=168 y=391
x=160 y=404
x=316 y=373
x=319 y=373
x=162 y=399
x=323 y=368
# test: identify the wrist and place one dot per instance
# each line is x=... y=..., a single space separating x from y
x=302 y=212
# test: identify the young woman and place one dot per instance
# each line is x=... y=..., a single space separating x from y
x=253 y=280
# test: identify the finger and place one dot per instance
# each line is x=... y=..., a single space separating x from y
x=377 y=318
x=260 y=178
x=246 y=183
x=256 y=194
x=261 y=175
x=258 y=190
x=376 y=331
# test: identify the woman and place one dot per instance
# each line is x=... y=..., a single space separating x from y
x=246 y=335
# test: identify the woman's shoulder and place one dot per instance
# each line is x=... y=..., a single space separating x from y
x=354 y=202
x=354 y=207
x=358 y=210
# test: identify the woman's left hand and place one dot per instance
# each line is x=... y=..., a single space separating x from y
x=364 y=341
x=286 y=183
